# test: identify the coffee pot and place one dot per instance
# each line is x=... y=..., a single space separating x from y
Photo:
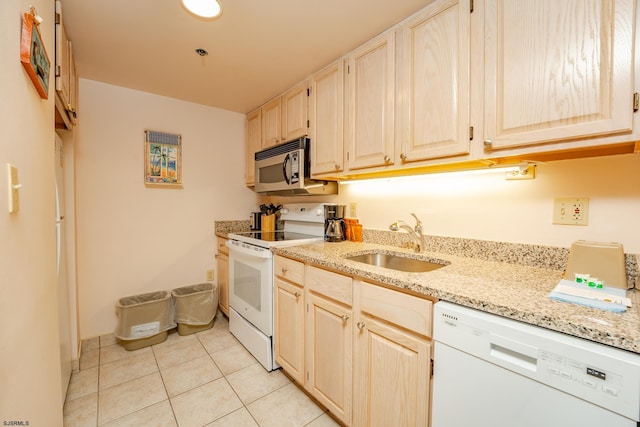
x=335 y=229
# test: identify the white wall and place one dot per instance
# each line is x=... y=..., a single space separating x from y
x=29 y=344
x=133 y=239
x=488 y=207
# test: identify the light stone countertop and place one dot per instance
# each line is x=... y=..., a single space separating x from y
x=506 y=289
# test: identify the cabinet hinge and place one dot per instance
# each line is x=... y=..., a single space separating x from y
x=348 y=69
x=431 y=368
x=347 y=156
x=470 y=133
x=636 y=102
x=308 y=91
x=58 y=71
x=58 y=19
x=308 y=123
x=307 y=375
x=307 y=312
x=471 y=6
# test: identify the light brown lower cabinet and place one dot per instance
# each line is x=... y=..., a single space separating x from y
x=222 y=258
x=329 y=336
x=361 y=350
x=289 y=328
x=393 y=358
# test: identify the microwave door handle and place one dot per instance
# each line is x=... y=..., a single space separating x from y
x=284 y=169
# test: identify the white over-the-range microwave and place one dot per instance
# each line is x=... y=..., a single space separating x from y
x=285 y=169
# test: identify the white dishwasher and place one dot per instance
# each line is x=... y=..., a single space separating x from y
x=493 y=371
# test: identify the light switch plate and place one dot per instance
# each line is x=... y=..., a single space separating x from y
x=13 y=187
x=353 y=209
x=571 y=211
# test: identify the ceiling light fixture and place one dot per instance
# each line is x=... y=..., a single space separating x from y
x=203 y=8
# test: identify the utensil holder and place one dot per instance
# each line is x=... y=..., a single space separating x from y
x=268 y=222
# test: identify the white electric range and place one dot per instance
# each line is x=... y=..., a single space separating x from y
x=251 y=276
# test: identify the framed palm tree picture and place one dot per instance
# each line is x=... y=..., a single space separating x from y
x=33 y=54
x=162 y=158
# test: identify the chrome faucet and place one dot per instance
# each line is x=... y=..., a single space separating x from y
x=415 y=232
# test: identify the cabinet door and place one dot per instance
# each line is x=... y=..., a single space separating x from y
x=272 y=123
x=329 y=340
x=253 y=144
x=326 y=109
x=370 y=103
x=62 y=58
x=435 y=82
x=557 y=70
x=289 y=328
x=223 y=282
x=394 y=370
x=295 y=109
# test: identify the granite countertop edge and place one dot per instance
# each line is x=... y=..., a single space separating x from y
x=514 y=291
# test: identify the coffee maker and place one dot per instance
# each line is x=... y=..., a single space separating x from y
x=335 y=229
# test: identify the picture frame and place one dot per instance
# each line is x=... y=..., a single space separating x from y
x=162 y=158
x=33 y=55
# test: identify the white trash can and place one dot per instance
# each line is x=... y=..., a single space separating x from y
x=195 y=307
x=144 y=319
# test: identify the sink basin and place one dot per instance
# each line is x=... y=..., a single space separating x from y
x=398 y=262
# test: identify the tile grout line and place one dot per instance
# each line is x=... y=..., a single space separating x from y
x=173 y=412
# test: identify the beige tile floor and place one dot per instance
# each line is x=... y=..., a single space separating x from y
x=204 y=379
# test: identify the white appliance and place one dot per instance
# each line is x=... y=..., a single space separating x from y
x=284 y=170
x=493 y=371
x=251 y=276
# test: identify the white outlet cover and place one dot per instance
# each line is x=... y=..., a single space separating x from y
x=571 y=211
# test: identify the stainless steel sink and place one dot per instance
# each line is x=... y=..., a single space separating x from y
x=398 y=262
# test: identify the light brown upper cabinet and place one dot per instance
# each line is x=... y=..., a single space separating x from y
x=65 y=71
x=253 y=143
x=557 y=70
x=295 y=112
x=435 y=82
x=272 y=123
x=370 y=103
x=326 y=111
x=286 y=117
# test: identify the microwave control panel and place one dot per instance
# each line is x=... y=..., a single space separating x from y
x=295 y=167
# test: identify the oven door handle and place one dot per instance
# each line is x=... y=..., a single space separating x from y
x=253 y=251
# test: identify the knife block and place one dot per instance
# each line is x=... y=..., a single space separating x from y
x=268 y=222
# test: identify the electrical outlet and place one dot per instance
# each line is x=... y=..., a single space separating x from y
x=353 y=209
x=210 y=275
x=571 y=211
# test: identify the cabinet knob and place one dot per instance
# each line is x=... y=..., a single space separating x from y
x=387 y=159
x=487 y=142
x=361 y=325
x=297 y=295
x=284 y=271
x=337 y=166
x=345 y=317
x=403 y=157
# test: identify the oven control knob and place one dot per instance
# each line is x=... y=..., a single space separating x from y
x=319 y=212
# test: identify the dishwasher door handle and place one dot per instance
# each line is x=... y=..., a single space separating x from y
x=513 y=352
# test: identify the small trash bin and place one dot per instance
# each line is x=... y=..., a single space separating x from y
x=144 y=319
x=195 y=307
